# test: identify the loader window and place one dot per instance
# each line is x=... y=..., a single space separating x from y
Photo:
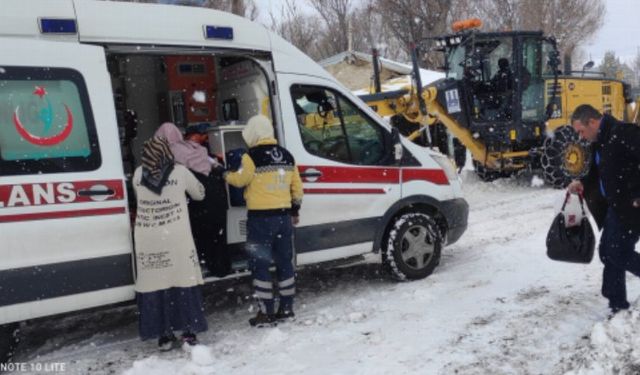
x=456 y=62
x=533 y=63
x=334 y=128
x=46 y=123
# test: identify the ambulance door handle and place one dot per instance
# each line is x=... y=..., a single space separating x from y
x=92 y=193
x=311 y=174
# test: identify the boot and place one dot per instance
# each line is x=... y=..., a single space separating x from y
x=263 y=320
x=285 y=315
x=166 y=343
x=189 y=338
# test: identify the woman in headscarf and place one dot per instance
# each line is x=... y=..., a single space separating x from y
x=168 y=273
x=208 y=217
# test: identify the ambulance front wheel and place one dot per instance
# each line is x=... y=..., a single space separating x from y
x=412 y=247
x=8 y=341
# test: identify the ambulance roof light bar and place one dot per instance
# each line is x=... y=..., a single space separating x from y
x=58 y=26
x=218 y=32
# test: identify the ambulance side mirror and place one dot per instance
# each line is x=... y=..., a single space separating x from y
x=397 y=145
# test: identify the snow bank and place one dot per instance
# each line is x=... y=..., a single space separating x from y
x=613 y=347
x=199 y=363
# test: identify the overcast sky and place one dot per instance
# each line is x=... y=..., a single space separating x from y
x=619 y=33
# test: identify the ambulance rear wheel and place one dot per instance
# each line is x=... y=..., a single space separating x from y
x=413 y=245
x=8 y=341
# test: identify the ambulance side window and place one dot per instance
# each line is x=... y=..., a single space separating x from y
x=46 y=122
x=334 y=128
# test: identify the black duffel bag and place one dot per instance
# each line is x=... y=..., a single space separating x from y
x=574 y=244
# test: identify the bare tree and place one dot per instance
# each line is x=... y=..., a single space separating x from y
x=635 y=66
x=336 y=31
x=570 y=21
x=297 y=28
x=369 y=30
x=244 y=8
x=613 y=68
x=411 y=21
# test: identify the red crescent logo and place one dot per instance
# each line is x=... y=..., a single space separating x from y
x=44 y=141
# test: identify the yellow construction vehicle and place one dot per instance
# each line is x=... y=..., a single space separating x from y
x=505 y=100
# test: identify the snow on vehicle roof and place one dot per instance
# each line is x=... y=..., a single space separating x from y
x=155 y=25
x=403 y=82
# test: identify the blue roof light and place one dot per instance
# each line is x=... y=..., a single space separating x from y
x=58 y=26
x=218 y=32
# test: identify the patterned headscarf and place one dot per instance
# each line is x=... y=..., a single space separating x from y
x=157 y=164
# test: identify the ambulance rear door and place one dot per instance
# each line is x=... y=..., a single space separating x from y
x=64 y=223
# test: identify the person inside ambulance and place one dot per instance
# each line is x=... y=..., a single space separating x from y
x=208 y=217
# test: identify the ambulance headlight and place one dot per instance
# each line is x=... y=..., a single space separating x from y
x=447 y=166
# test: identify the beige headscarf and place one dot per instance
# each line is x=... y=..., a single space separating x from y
x=258 y=128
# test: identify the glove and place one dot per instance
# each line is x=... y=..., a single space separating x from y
x=218 y=170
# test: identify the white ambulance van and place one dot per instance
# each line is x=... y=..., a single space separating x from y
x=84 y=83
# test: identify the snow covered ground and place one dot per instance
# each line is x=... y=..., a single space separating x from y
x=494 y=305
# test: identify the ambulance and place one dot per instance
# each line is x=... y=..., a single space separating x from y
x=84 y=83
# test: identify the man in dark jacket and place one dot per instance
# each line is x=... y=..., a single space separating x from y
x=612 y=191
x=502 y=86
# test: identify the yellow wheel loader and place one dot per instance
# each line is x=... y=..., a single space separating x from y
x=505 y=101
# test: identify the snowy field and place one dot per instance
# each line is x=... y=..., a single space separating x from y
x=495 y=305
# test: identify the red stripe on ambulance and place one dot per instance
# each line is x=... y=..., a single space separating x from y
x=373 y=175
x=47 y=193
x=344 y=191
x=436 y=176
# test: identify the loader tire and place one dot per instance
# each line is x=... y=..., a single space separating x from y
x=412 y=247
x=564 y=157
x=8 y=341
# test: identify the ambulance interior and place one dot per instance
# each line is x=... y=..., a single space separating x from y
x=216 y=92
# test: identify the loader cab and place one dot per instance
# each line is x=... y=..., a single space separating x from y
x=501 y=77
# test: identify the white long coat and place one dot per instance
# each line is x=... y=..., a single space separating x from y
x=166 y=256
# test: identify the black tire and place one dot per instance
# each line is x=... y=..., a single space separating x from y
x=412 y=248
x=564 y=157
x=8 y=341
x=485 y=174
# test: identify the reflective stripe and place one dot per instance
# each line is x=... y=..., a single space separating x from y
x=288 y=292
x=286 y=283
x=265 y=290
x=263 y=284
x=264 y=295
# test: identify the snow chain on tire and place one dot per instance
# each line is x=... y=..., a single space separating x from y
x=392 y=256
x=557 y=160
